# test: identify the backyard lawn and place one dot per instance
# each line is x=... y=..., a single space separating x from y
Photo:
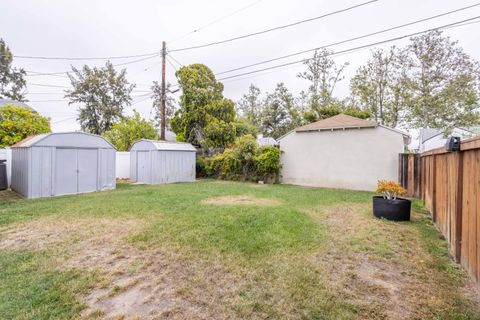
x=222 y=250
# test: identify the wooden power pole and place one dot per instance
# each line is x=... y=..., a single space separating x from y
x=164 y=97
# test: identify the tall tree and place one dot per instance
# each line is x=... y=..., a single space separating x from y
x=324 y=75
x=17 y=123
x=279 y=115
x=130 y=129
x=205 y=118
x=169 y=105
x=103 y=93
x=378 y=86
x=250 y=106
x=12 y=80
x=443 y=83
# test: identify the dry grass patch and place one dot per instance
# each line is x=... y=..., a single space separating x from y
x=384 y=267
x=241 y=200
x=134 y=283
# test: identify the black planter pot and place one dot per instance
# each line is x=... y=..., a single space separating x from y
x=396 y=210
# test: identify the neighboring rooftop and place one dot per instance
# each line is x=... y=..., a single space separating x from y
x=340 y=121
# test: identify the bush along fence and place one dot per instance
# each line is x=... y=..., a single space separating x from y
x=449 y=184
x=242 y=161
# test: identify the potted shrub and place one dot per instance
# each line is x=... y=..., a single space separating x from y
x=389 y=205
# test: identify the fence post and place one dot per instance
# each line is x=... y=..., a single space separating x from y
x=434 y=189
x=458 y=207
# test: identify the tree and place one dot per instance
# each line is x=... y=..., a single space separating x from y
x=279 y=114
x=17 y=123
x=372 y=84
x=250 y=106
x=205 y=118
x=157 y=101
x=324 y=74
x=243 y=127
x=128 y=130
x=12 y=80
x=442 y=82
x=103 y=94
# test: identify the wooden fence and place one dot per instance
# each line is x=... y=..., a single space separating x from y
x=449 y=183
x=409 y=173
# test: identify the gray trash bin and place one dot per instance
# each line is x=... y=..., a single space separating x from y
x=3 y=175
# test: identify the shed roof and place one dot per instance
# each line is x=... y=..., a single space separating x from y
x=65 y=139
x=4 y=102
x=163 y=145
x=340 y=121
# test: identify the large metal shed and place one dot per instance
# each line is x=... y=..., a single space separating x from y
x=159 y=162
x=56 y=164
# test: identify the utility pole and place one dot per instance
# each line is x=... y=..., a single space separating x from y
x=163 y=97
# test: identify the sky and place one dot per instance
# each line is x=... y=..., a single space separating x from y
x=112 y=28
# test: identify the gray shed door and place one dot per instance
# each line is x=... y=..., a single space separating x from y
x=65 y=171
x=76 y=171
x=143 y=166
x=87 y=170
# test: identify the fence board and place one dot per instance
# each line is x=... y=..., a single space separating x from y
x=449 y=184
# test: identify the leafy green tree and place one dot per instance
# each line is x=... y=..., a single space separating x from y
x=128 y=130
x=103 y=93
x=327 y=112
x=250 y=106
x=279 y=115
x=371 y=84
x=205 y=118
x=12 y=80
x=243 y=127
x=17 y=123
x=442 y=82
x=323 y=74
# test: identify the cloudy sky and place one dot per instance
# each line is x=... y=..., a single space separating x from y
x=112 y=28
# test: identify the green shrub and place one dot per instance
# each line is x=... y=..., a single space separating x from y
x=243 y=161
x=200 y=170
x=267 y=163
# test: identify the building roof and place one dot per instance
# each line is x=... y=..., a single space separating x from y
x=340 y=121
x=164 y=145
x=4 y=102
x=65 y=139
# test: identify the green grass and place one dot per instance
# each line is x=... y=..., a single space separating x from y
x=297 y=259
x=31 y=289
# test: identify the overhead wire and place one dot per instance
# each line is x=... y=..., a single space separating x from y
x=275 y=28
x=215 y=21
x=351 y=39
x=458 y=23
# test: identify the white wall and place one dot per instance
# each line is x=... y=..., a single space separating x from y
x=440 y=141
x=123 y=165
x=348 y=159
x=6 y=154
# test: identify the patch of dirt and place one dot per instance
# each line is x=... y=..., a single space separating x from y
x=9 y=196
x=134 y=283
x=241 y=200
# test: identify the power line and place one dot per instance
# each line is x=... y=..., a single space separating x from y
x=46 y=85
x=275 y=28
x=171 y=64
x=458 y=23
x=351 y=39
x=70 y=118
x=85 y=58
x=215 y=21
x=175 y=60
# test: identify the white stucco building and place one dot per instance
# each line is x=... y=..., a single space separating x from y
x=430 y=138
x=341 y=152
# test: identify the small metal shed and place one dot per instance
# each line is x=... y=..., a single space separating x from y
x=159 y=162
x=56 y=164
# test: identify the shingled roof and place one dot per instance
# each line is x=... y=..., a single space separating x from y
x=338 y=122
